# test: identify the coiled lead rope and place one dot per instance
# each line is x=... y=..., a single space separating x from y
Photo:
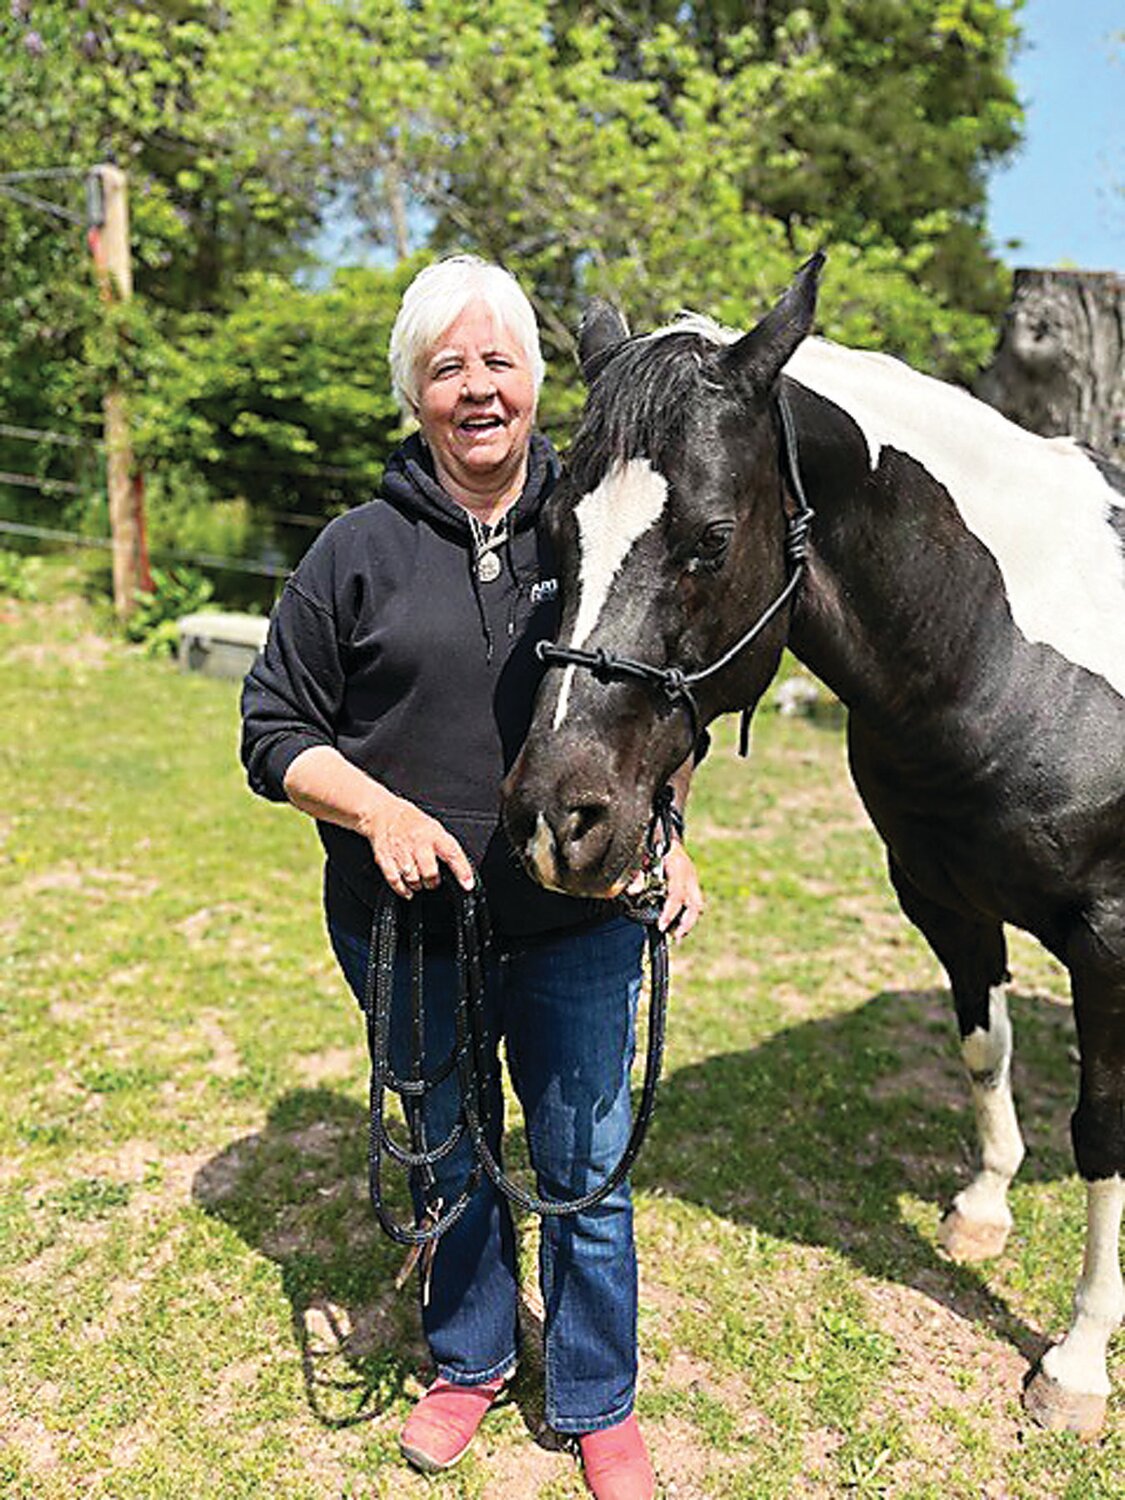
x=470 y=1061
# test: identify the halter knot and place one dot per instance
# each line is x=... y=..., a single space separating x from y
x=674 y=682
x=797 y=536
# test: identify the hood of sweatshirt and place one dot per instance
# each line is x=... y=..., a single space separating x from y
x=409 y=483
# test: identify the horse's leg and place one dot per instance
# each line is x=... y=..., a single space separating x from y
x=974 y=956
x=1069 y=1389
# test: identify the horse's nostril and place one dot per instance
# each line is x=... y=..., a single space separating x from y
x=581 y=820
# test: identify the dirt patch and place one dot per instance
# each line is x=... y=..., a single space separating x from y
x=331 y=1065
x=925 y=1032
x=36 y=1444
x=691 y=968
x=226 y=1060
x=524 y=1469
x=85 y=652
x=820 y=1446
x=224 y=925
x=879 y=920
x=680 y=1460
x=945 y=1364
x=220 y=1178
x=94 y=884
x=130 y=1443
x=686 y=1372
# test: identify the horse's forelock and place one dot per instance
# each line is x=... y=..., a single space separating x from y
x=638 y=404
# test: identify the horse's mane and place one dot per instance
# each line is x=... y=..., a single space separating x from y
x=638 y=402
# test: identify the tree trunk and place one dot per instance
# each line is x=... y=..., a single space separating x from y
x=1060 y=366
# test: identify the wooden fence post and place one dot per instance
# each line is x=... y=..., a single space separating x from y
x=109 y=243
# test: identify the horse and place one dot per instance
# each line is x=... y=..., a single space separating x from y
x=959 y=584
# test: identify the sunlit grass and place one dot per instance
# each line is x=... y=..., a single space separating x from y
x=197 y=1302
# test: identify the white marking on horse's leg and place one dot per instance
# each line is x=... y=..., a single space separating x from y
x=1078 y=1363
x=610 y=519
x=988 y=1055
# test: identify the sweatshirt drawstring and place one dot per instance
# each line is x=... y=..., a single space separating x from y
x=515 y=593
x=479 y=597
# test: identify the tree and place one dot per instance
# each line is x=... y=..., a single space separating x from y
x=661 y=154
x=701 y=174
x=1060 y=366
x=80 y=85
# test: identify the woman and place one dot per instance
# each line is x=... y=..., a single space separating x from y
x=393 y=694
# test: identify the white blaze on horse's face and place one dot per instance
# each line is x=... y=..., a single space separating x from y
x=610 y=521
x=1040 y=506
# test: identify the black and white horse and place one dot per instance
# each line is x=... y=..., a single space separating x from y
x=964 y=596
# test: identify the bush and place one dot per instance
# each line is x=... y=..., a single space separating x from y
x=284 y=401
x=175 y=592
x=20 y=576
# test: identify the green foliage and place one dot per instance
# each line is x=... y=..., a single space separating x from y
x=175 y=592
x=101 y=82
x=664 y=155
x=659 y=154
x=183 y=516
x=19 y=575
x=284 y=401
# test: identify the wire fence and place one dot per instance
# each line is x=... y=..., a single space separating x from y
x=32 y=200
x=28 y=173
x=164 y=554
x=48 y=435
x=47 y=486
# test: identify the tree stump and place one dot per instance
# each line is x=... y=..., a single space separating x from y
x=1060 y=365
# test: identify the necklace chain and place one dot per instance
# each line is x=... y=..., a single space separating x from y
x=487 y=540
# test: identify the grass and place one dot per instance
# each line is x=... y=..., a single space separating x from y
x=197 y=1302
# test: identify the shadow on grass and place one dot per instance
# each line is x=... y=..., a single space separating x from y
x=812 y=1137
x=815 y=1135
x=296 y=1192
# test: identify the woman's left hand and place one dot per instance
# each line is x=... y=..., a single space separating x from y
x=684 y=904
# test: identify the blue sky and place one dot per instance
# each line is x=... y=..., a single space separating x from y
x=1063 y=197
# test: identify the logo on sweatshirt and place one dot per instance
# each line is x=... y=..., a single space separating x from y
x=547 y=588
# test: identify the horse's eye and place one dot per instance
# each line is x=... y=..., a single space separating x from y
x=710 y=548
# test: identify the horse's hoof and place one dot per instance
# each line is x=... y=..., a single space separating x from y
x=970 y=1240
x=1060 y=1410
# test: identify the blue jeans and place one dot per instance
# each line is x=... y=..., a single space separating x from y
x=566 y=1009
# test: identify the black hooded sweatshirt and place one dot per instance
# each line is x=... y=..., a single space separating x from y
x=385 y=645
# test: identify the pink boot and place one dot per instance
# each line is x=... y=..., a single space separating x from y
x=439 y=1430
x=616 y=1463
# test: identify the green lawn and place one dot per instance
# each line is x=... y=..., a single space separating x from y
x=197 y=1303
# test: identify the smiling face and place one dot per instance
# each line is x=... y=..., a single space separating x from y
x=476 y=407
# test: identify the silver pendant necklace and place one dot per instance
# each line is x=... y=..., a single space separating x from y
x=487 y=541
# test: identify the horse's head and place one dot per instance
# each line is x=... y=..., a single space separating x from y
x=668 y=532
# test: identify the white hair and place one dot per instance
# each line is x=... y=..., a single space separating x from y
x=437 y=297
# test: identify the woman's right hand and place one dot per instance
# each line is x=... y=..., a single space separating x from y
x=409 y=846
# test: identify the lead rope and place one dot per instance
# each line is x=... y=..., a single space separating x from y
x=470 y=1061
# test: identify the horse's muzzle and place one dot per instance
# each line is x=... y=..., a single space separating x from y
x=568 y=828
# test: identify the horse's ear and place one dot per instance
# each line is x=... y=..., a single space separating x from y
x=601 y=329
x=758 y=357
